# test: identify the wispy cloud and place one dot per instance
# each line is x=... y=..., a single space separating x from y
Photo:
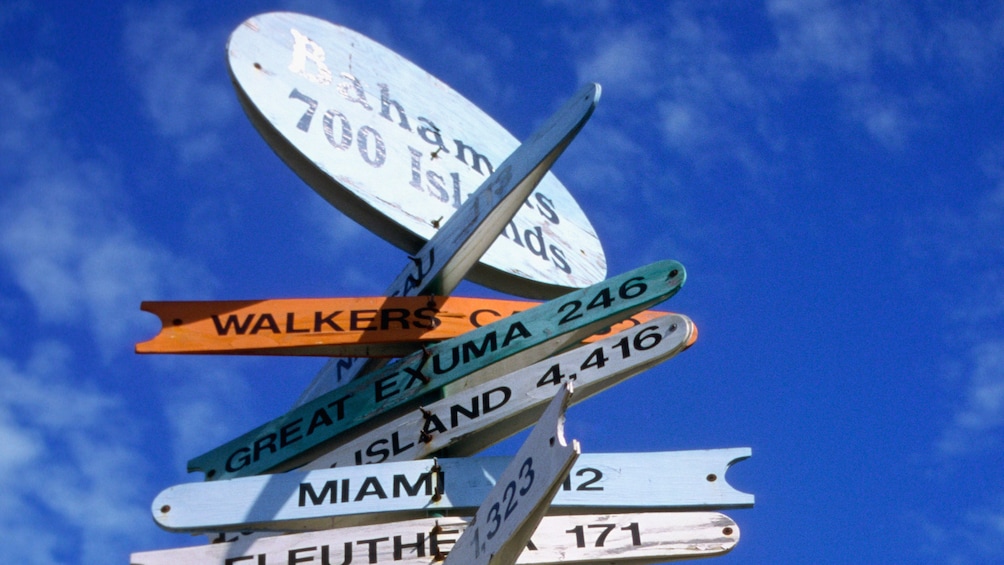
x=979 y=419
x=182 y=78
x=75 y=461
x=70 y=464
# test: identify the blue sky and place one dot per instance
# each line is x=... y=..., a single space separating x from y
x=831 y=174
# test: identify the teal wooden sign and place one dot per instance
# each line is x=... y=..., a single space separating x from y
x=367 y=494
x=478 y=356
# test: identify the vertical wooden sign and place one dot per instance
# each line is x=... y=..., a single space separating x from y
x=504 y=522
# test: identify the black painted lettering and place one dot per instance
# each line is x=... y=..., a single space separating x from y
x=433 y=425
x=416 y=168
x=546 y=208
x=456 y=189
x=371 y=487
x=441 y=536
x=232 y=323
x=329 y=491
x=535 y=242
x=359 y=317
x=372 y=543
x=472 y=351
x=417 y=376
x=490 y=400
x=417 y=548
x=345 y=363
x=429 y=132
x=458 y=409
x=515 y=233
x=401 y=483
x=286 y=433
x=517 y=329
x=344 y=139
x=386 y=103
x=476 y=315
x=320 y=320
x=264 y=443
x=455 y=359
x=381 y=454
x=294 y=558
x=319 y=419
x=308 y=114
x=353 y=91
x=476 y=158
x=243 y=459
x=558 y=258
x=426 y=318
x=378 y=155
x=397 y=316
x=386 y=387
x=266 y=320
x=346 y=555
x=291 y=325
x=339 y=406
x=437 y=181
x=395 y=444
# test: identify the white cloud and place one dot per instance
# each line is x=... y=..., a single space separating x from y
x=71 y=474
x=182 y=78
x=966 y=537
x=623 y=60
x=80 y=261
x=979 y=421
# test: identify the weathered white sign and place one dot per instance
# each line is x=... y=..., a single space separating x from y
x=616 y=539
x=473 y=418
x=398 y=150
x=404 y=490
x=504 y=522
x=447 y=257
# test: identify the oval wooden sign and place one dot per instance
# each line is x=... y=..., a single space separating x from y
x=399 y=151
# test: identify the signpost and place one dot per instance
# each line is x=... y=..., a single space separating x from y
x=399 y=151
x=469 y=420
x=483 y=354
x=510 y=513
x=386 y=492
x=641 y=538
x=365 y=327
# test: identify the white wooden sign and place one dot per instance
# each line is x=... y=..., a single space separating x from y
x=616 y=539
x=510 y=513
x=404 y=490
x=398 y=150
x=473 y=418
x=445 y=260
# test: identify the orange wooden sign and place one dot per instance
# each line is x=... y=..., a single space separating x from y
x=349 y=327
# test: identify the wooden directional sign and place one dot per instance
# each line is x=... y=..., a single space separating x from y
x=469 y=420
x=510 y=513
x=673 y=480
x=365 y=327
x=483 y=354
x=399 y=151
x=617 y=539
